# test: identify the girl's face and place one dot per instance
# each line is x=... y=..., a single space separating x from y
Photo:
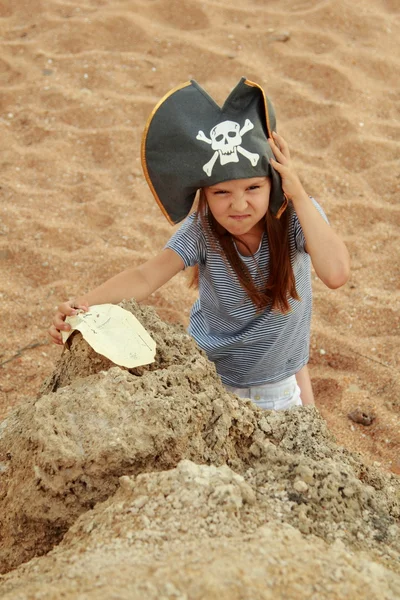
x=240 y=205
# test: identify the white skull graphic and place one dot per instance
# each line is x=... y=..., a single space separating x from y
x=226 y=139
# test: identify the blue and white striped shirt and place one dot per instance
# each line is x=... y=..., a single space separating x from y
x=248 y=349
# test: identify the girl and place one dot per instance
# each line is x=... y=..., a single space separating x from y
x=251 y=239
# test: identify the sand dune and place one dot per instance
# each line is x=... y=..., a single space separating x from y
x=79 y=78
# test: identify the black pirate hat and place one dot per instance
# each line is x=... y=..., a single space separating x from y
x=190 y=142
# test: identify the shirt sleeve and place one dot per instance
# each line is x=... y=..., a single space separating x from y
x=298 y=231
x=189 y=241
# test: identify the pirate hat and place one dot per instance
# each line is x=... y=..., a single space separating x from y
x=190 y=142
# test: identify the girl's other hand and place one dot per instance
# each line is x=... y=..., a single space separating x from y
x=66 y=309
x=291 y=183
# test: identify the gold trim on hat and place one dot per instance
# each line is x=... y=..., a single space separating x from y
x=143 y=148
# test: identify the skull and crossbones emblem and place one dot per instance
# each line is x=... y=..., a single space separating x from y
x=226 y=139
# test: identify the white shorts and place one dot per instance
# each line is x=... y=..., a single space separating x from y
x=281 y=395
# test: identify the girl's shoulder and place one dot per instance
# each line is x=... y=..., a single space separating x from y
x=295 y=229
x=192 y=226
x=189 y=241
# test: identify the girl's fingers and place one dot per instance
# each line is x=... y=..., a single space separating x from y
x=70 y=308
x=55 y=335
x=75 y=306
x=281 y=144
x=59 y=321
x=277 y=166
x=66 y=309
x=278 y=138
x=277 y=152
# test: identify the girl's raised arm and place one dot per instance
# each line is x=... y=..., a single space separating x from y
x=135 y=282
x=328 y=252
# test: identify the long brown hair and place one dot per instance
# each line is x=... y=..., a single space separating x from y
x=280 y=285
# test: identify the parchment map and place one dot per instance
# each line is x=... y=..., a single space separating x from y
x=115 y=333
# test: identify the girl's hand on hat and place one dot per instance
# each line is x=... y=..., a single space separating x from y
x=66 y=309
x=328 y=253
x=291 y=183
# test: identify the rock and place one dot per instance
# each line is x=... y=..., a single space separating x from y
x=282 y=36
x=126 y=481
x=184 y=543
x=362 y=416
x=300 y=486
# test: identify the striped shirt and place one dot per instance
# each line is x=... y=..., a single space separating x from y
x=248 y=349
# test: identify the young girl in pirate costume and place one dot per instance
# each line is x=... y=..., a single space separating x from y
x=252 y=238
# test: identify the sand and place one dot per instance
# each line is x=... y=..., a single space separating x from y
x=78 y=80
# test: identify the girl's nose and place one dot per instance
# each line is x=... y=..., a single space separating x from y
x=239 y=201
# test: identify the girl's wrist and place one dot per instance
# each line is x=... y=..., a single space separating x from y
x=299 y=196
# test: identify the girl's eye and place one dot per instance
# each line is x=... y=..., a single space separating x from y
x=218 y=192
x=254 y=187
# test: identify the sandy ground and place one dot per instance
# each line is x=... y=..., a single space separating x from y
x=78 y=80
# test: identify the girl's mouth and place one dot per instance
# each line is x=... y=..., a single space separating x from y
x=239 y=217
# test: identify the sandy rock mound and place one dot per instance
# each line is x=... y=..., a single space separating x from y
x=189 y=533
x=64 y=452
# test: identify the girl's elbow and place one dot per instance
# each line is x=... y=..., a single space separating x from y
x=338 y=278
